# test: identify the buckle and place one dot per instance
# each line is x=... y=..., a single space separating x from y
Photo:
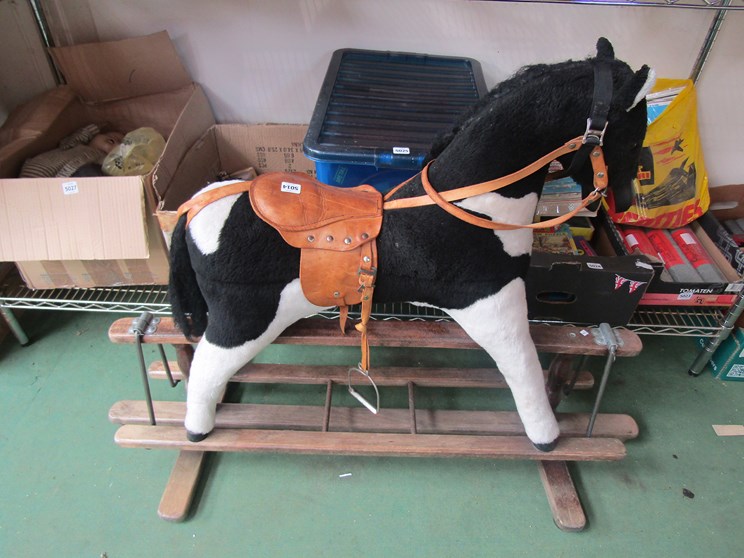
x=592 y=136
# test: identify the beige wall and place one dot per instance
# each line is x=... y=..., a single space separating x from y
x=24 y=68
x=264 y=61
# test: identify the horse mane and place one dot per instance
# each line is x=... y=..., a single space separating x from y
x=528 y=75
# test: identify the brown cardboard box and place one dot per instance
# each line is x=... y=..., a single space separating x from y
x=84 y=232
x=228 y=148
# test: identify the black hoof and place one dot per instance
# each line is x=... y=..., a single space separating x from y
x=550 y=446
x=194 y=437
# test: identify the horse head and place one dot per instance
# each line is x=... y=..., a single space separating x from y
x=625 y=124
x=538 y=109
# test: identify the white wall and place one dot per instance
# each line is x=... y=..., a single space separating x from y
x=25 y=70
x=264 y=61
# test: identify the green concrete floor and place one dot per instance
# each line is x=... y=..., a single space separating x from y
x=69 y=491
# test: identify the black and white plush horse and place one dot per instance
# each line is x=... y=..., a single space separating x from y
x=233 y=266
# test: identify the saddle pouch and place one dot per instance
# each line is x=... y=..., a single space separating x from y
x=335 y=229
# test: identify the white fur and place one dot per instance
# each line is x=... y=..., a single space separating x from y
x=645 y=90
x=513 y=211
x=205 y=227
x=213 y=366
x=499 y=324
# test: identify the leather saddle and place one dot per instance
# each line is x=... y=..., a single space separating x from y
x=335 y=229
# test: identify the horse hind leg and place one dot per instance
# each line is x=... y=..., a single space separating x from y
x=499 y=324
x=214 y=365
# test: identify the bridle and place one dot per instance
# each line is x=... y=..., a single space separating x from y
x=587 y=146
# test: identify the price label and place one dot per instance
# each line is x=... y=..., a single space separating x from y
x=291 y=187
x=69 y=188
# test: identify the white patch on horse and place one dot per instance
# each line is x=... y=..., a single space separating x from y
x=499 y=324
x=205 y=227
x=213 y=366
x=513 y=211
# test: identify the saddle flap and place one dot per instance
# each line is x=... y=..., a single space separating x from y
x=310 y=214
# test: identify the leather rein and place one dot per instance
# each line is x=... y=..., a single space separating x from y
x=444 y=199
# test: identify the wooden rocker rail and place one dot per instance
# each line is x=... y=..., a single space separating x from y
x=411 y=432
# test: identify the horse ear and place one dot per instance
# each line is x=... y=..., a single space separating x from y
x=604 y=49
x=637 y=88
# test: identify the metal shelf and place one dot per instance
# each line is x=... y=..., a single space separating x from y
x=647 y=320
x=727 y=5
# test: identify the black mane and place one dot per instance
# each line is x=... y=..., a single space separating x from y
x=530 y=75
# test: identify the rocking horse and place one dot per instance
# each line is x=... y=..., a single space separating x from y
x=250 y=259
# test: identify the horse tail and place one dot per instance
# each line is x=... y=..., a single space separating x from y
x=188 y=306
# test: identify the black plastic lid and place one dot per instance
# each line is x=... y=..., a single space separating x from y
x=385 y=108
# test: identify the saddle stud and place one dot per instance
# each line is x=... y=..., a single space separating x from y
x=329 y=238
x=365 y=236
x=347 y=240
x=311 y=238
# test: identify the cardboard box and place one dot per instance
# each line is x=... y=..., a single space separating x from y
x=85 y=232
x=727 y=363
x=224 y=149
x=726 y=202
x=586 y=289
x=675 y=293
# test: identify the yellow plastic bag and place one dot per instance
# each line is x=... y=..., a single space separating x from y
x=671 y=189
x=136 y=154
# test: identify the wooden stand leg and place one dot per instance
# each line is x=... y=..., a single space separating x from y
x=179 y=492
x=568 y=514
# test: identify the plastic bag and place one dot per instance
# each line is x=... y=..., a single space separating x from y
x=136 y=154
x=671 y=189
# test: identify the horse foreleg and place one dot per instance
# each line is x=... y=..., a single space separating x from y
x=499 y=324
x=214 y=365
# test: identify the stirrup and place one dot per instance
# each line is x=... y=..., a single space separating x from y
x=358 y=396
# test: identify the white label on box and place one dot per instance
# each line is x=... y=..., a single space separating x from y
x=594 y=265
x=69 y=188
x=685 y=295
x=734 y=287
x=401 y=150
x=291 y=187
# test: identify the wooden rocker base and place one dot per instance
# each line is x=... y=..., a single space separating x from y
x=409 y=432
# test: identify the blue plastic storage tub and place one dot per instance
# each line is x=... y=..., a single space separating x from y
x=378 y=112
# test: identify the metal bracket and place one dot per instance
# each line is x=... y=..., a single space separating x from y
x=144 y=324
x=604 y=335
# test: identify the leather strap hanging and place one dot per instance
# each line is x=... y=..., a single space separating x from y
x=443 y=199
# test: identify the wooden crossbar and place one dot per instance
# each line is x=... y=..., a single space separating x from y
x=387 y=376
x=573 y=340
x=356 y=419
x=370 y=444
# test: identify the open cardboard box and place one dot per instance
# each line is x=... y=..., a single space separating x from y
x=85 y=232
x=726 y=202
x=586 y=289
x=225 y=149
x=676 y=293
